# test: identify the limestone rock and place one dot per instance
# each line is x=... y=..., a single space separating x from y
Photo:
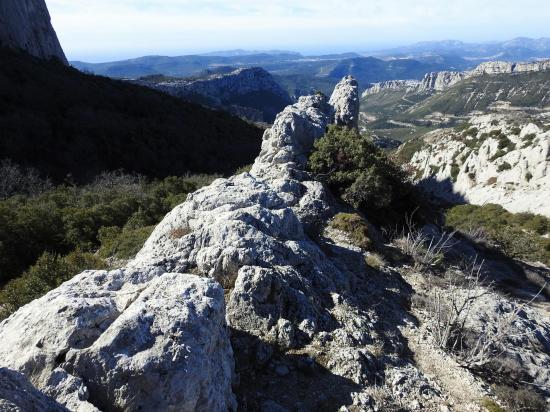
x=26 y=25
x=440 y=81
x=125 y=339
x=18 y=395
x=345 y=100
x=475 y=168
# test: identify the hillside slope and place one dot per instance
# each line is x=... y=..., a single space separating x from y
x=482 y=93
x=501 y=158
x=249 y=93
x=64 y=122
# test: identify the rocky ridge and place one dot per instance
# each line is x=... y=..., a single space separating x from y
x=250 y=92
x=440 y=81
x=26 y=25
x=307 y=324
x=502 y=159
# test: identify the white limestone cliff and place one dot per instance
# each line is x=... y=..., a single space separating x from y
x=440 y=81
x=26 y=25
x=498 y=161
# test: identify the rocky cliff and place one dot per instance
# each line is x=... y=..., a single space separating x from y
x=307 y=324
x=440 y=81
x=502 y=159
x=26 y=25
x=250 y=92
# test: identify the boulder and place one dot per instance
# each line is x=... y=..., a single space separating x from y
x=125 y=340
x=18 y=395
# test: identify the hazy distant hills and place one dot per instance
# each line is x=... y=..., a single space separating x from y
x=518 y=49
x=296 y=73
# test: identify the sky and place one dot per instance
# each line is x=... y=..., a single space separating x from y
x=106 y=30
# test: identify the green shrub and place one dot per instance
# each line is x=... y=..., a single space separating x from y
x=69 y=217
x=455 y=170
x=471 y=132
x=528 y=176
x=361 y=175
x=504 y=166
x=355 y=227
x=517 y=235
x=522 y=399
x=49 y=272
x=122 y=243
x=491 y=405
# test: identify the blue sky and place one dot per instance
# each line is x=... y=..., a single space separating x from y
x=101 y=30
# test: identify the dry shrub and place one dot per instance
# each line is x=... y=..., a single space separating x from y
x=179 y=232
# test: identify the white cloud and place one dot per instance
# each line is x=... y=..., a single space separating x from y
x=106 y=29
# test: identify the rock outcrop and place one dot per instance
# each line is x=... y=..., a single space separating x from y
x=440 y=81
x=18 y=395
x=125 y=340
x=345 y=102
x=26 y=25
x=501 y=159
x=249 y=92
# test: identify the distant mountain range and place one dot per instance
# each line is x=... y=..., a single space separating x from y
x=300 y=74
x=296 y=73
x=518 y=49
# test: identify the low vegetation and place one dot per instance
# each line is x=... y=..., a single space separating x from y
x=355 y=227
x=362 y=176
x=518 y=235
x=47 y=238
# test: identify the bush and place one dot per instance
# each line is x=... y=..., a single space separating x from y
x=361 y=175
x=355 y=227
x=517 y=235
x=523 y=399
x=49 y=272
x=504 y=166
x=122 y=243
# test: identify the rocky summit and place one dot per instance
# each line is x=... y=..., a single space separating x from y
x=26 y=25
x=245 y=298
x=248 y=92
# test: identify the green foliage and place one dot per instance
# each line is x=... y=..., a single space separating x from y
x=455 y=170
x=504 y=166
x=518 y=235
x=491 y=405
x=67 y=217
x=361 y=175
x=523 y=399
x=355 y=227
x=122 y=243
x=471 y=132
x=528 y=176
x=50 y=271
